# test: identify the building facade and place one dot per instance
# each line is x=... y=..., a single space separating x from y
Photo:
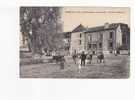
x=107 y=38
x=77 y=42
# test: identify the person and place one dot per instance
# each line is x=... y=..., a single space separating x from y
x=118 y=51
x=102 y=57
x=115 y=52
x=74 y=57
x=79 y=64
x=53 y=54
x=83 y=58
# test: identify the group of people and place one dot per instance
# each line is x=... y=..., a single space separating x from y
x=82 y=59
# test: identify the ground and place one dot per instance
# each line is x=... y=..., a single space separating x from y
x=114 y=67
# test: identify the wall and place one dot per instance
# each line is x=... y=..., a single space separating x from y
x=75 y=42
x=105 y=40
x=118 y=37
x=116 y=40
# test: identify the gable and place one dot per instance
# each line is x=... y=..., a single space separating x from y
x=79 y=28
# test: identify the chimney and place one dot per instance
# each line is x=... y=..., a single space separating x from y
x=106 y=25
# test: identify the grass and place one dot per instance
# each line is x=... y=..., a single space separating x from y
x=114 y=67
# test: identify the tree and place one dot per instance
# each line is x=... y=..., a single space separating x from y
x=43 y=26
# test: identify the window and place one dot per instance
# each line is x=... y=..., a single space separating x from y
x=110 y=44
x=94 y=46
x=80 y=42
x=80 y=35
x=90 y=38
x=111 y=35
x=89 y=45
x=101 y=36
x=100 y=45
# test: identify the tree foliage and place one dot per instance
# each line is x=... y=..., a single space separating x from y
x=42 y=26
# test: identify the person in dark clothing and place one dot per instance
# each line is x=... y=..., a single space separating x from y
x=102 y=58
x=83 y=58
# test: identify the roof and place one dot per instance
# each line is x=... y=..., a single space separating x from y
x=79 y=28
x=101 y=28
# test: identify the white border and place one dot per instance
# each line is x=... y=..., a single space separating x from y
x=14 y=88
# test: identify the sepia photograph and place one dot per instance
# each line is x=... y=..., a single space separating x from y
x=74 y=42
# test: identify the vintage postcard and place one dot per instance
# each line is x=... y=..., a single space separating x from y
x=75 y=42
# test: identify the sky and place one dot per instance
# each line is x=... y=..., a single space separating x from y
x=93 y=16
